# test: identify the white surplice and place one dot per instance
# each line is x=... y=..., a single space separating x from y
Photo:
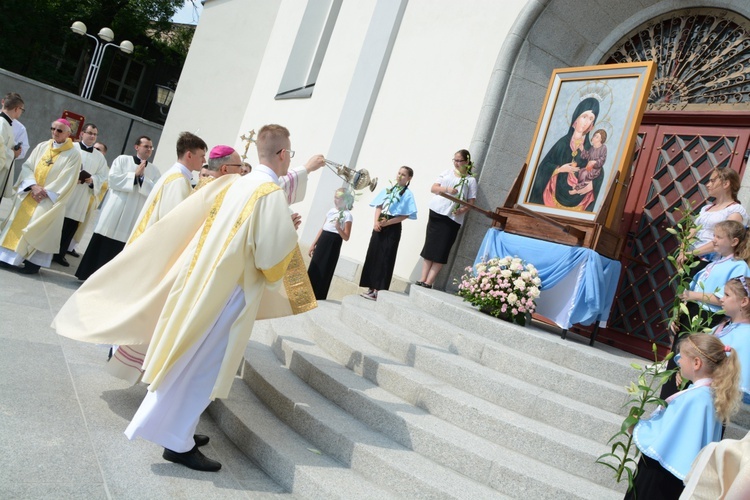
x=7 y=141
x=125 y=197
x=170 y=190
x=83 y=198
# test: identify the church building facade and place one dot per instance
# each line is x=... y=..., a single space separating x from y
x=377 y=84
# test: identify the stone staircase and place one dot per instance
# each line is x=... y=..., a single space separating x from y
x=421 y=396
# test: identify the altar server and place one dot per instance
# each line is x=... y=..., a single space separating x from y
x=131 y=179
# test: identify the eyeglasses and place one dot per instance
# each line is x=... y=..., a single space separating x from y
x=145 y=147
x=22 y=109
x=58 y=130
x=458 y=161
x=90 y=132
x=289 y=151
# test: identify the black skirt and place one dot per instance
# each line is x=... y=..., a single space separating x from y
x=323 y=263
x=100 y=251
x=377 y=271
x=441 y=234
x=654 y=482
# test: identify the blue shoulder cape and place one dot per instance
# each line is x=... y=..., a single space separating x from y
x=674 y=436
x=400 y=204
x=738 y=337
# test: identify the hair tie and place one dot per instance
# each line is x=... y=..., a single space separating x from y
x=727 y=349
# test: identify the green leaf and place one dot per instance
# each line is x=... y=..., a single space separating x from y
x=614 y=468
x=629 y=421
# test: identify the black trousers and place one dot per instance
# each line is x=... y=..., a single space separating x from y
x=69 y=229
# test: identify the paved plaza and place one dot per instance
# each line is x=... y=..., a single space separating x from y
x=62 y=416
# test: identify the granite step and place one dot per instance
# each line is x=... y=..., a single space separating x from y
x=472 y=455
x=436 y=310
x=573 y=354
x=286 y=389
x=293 y=462
x=491 y=351
x=514 y=394
x=564 y=450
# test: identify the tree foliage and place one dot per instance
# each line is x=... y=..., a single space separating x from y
x=36 y=40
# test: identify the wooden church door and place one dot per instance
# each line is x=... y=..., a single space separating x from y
x=675 y=156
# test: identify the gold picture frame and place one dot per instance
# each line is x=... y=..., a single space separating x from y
x=584 y=137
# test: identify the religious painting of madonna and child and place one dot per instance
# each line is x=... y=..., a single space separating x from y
x=585 y=134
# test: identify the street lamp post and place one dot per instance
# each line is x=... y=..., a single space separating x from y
x=107 y=35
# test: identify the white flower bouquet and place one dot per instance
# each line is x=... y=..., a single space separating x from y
x=505 y=288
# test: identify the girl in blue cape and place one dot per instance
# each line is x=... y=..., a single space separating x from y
x=731 y=245
x=707 y=288
x=392 y=206
x=670 y=439
x=736 y=331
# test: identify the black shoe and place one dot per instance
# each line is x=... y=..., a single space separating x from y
x=419 y=283
x=200 y=440
x=60 y=259
x=73 y=253
x=28 y=268
x=192 y=459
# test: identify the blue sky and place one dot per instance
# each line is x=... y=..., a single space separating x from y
x=189 y=13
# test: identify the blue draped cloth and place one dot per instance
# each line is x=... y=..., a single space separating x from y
x=595 y=291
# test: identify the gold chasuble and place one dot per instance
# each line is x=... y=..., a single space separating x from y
x=122 y=302
x=248 y=242
x=34 y=225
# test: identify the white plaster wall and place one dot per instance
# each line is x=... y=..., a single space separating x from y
x=220 y=73
x=311 y=121
x=427 y=108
